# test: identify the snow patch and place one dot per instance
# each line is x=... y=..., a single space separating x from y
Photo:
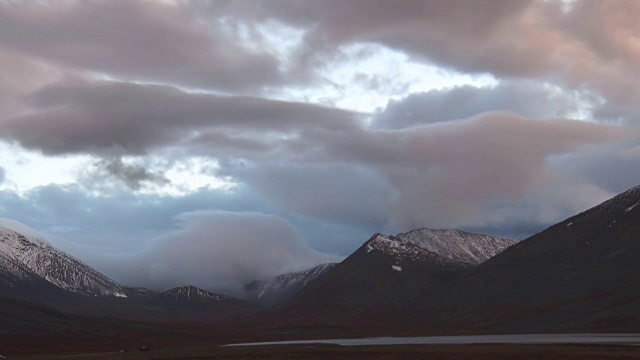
x=120 y=295
x=396 y=267
x=24 y=254
x=632 y=207
x=452 y=245
x=569 y=224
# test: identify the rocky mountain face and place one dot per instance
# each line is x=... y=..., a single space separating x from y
x=280 y=288
x=446 y=245
x=31 y=269
x=580 y=274
x=391 y=271
x=27 y=258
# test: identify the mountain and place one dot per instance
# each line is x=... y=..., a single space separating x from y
x=190 y=293
x=31 y=269
x=452 y=245
x=280 y=288
x=25 y=256
x=192 y=303
x=390 y=271
x=580 y=274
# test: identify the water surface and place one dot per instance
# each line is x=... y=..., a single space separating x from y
x=604 y=339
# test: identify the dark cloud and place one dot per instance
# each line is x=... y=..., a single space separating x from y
x=131 y=174
x=141 y=40
x=81 y=117
x=528 y=99
x=2 y=175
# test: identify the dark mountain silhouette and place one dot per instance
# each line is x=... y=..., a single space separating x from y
x=580 y=274
x=391 y=271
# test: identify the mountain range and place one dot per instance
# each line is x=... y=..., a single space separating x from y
x=275 y=290
x=578 y=275
x=388 y=272
x=33 y=270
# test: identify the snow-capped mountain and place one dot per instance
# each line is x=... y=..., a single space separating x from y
x=453 y=245
x=390 y=271
x=26 y=256
x=279 y=288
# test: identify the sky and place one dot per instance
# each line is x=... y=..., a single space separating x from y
x=217 y=142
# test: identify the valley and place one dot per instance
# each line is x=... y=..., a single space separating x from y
x=578 y=276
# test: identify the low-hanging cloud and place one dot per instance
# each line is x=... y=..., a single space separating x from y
x=216 y=249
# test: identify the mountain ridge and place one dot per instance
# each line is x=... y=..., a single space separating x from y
x=580 y=273
x=386 y=272
x=277 y=289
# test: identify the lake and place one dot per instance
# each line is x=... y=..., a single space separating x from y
x=604 y=339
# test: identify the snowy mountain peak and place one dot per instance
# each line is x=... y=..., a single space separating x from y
x=454 y=245
x=32 y=235
x=23 y=253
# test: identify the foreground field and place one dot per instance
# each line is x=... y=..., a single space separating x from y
x=432 y=352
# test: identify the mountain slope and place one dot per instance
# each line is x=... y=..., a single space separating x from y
x=580 y=274
x=33 y=270
x=390 y=271
x=192 y=303
x=27 y=257
x=280 y=288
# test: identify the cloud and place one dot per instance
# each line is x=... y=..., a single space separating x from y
x=124 y=118
x=21 y=76
x=350 y=195
x=3 y=175
x=139 y=40
x=132 y=175
x=216 y=250
x=444 y=32
x=211 y=249
x=587 y=46
x=527 y=98
x=453 y=169
x=599 y=163
x=435 y=175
